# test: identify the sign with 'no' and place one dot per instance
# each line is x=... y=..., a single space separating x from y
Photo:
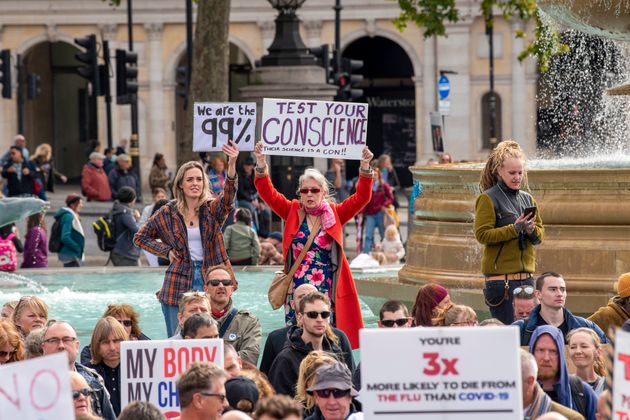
x=216 y=123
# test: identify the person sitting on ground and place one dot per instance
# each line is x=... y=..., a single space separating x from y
x=191 y=303
x=199 y=326
x=81 y=395
x=618 y=309
x=59 y=336
x=277 y=339
x=241 y=242
x=430 y=300
x=551 y=291
x=334 y=380
x=269 y=255
x=141 y=410
x=125 y=218
x=306 y=377
x=11 y=347
x=524 y=301
x=278 y=407
x=201 y=390
x=30 y=313
x=461 y=316
x=535 y=401
x=314 y=317
x=72 y=237
x=242 y=394
x=391 y=246
x=106 y=338
x=547 y=346
x=123 y=176
x=585 y=351
x=240 y=328
x=94 y=180
x=36 y=242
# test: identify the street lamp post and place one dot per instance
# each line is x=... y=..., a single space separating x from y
x=287 y=48
x=492 y=99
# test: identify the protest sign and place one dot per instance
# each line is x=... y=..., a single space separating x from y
x=314 y=128
x=446 y=373
x=621 y=390
x=36 y=389
x=216 y=123
x=149 y=369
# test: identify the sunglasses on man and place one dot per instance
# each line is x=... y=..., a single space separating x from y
x=86 y=392
x=528 y=290
x=336 y=393
x=126 y=322
x=315 y=314
x=215 y=283
x=389 y=323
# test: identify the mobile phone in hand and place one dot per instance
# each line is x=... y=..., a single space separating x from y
x=529 y=211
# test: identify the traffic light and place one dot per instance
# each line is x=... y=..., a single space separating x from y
x=89 y=57
x=5 y=68
x=181 y=77
x=325 y=60
x=33 y=84
x=126 y=76
x=347 y=80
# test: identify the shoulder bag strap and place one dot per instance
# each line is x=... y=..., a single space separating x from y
x=300 y=257
x=227 y=322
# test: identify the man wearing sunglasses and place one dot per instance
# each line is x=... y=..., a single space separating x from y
x=201 y=390
x=523 y=302
x=58 y=337
x=333 y=392
x=314 y=318
x=240 y=328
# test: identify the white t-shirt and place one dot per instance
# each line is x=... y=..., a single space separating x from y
x=194 y=243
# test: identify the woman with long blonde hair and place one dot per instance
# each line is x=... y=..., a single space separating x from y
x=585 y=351
x=42 y=158
x=187 y=231
x=508 y=225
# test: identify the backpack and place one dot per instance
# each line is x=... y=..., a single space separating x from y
x=104 y=229
x=8 y=253
x=54 y=242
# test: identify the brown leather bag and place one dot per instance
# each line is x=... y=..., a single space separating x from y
x=283 y=281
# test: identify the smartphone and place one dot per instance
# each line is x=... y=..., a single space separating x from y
x=529 y=211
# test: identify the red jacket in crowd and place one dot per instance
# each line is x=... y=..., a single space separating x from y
x=95 y=184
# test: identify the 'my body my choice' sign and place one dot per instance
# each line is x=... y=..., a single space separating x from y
x=314 y=128
x=445 y=373
x=149 y=369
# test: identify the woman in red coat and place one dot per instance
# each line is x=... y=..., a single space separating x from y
x=324 y=265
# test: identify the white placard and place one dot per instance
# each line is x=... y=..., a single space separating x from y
x=446 y=373
x=335 y=130
x=621 y=390
x=36 y=389
x=216 y=123
x=149 y=369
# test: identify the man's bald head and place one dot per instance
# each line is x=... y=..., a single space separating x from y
x=301 y=291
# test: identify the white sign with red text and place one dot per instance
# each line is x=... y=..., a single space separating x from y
x=326 y=129
x=149 y=369
x=621 y=390
x=36 y=389
x=446 y=373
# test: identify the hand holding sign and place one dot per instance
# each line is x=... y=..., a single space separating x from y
x=259 y=154
x=231 y=151
x=366 y=158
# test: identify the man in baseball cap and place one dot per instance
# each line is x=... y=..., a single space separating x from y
x=333 y=392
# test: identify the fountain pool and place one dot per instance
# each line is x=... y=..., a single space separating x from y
x=80 y=297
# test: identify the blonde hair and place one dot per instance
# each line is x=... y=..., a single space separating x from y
x=104 y=328
x=43 y=150
x=505 y=150
x=10 y=335
x=315 y=175
x=392 y=228
x=178 y=192
x=33 y=303
x=599 y=366
x=306 y=375
x=454 y=312
x=264 y=387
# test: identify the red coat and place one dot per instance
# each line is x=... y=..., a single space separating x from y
x=95 y=184
x=348 y=311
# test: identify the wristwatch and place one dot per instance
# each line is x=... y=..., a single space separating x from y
x=261 y=169
x=366 y=171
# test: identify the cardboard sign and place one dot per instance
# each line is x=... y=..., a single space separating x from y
x=335 y=130
x=446 y=373
x=216 y=123
x=149 y=369
x=621 y=388
x=36 y=389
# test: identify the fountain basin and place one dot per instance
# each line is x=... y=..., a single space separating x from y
x=586 y=214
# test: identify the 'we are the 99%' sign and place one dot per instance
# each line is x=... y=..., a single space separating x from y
x=216 y=123
x=334 y=130
x=445 y=373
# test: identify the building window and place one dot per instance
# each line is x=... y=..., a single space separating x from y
x=486 y=121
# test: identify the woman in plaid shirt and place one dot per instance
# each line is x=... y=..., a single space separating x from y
x=187 y=231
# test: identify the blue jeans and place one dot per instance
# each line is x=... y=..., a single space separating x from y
x=499 y=299
x=170 y=311
x=372 y=221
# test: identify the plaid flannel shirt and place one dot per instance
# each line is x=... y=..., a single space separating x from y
x=167 y=225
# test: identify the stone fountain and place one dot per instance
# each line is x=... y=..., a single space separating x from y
x=585 y=210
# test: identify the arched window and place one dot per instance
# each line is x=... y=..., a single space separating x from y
x=486 y=120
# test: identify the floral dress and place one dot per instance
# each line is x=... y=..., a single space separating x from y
x=315 y=268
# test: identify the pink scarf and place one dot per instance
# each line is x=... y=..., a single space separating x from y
x=325 y=212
